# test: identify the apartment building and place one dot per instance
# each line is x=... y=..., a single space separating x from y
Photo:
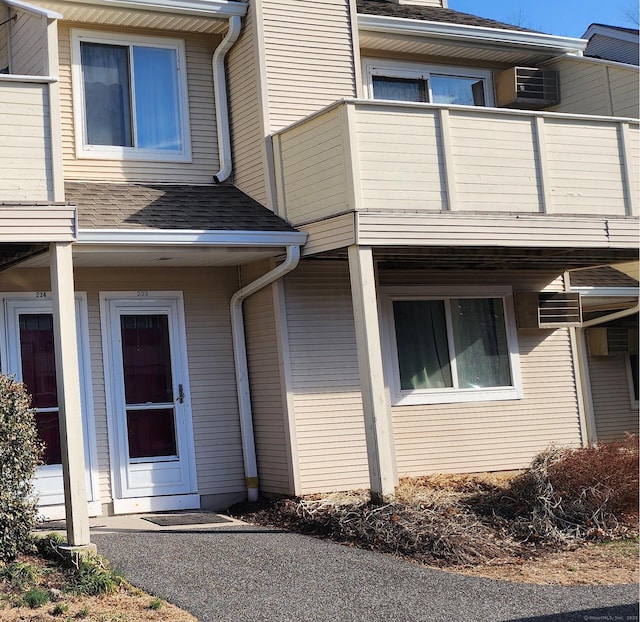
x=294 y=246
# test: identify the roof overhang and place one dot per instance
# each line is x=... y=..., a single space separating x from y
x=204 y=16
x=612 y=32
x=478 y=42
x=124 y=248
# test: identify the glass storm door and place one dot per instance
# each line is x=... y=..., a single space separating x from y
x=31 y=357
x=151 y=415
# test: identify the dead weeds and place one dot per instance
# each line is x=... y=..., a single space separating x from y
x=461 y=523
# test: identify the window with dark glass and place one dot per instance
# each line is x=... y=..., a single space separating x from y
x=451 y=343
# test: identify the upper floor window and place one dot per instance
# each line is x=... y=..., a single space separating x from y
x=419 y=83
x=130 y=97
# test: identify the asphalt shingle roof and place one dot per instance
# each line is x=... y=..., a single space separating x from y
x=601 y=277
x=430 y=14
x=156 y=206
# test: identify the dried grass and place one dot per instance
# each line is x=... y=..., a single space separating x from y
x=566 y=496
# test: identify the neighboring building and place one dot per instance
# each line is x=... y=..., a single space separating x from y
x=160 y=160
x=613 y=43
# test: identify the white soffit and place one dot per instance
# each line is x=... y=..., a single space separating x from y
x=201 y=16
x=406 y=36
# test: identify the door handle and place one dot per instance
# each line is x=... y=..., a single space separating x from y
x=180 y=394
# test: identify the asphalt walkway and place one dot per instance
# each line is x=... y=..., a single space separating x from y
x=239 y=573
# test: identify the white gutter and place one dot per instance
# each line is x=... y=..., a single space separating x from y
x=31 y=8
x=192 y=8
x=143 y=237
x=475 y=34
x=220 y=96
x=242 y=370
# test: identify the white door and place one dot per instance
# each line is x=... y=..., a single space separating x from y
x=30 y=356
x=153 y=460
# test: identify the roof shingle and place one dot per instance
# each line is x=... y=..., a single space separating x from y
x=430 y=14
x=157 y=206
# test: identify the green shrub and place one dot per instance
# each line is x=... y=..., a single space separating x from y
x=93 y=576
x=19 y=574
x=35 y=598
x=47 y=546
x=20 y=454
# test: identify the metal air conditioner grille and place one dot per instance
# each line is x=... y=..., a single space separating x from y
x=559 y=309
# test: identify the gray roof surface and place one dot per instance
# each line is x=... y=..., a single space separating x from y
x=430 y=14
x=601 y=277
x=157 y=206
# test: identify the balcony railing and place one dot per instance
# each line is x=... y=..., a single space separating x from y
x=374 y=156
x=30 y=162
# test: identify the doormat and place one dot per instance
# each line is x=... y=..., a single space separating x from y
x=186 y=518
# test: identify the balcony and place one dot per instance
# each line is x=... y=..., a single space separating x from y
x=389 y=173
x=28 y=106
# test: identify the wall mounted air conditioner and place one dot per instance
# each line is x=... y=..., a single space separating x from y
x=548 y=309
x=527 y=87
x=612 y=340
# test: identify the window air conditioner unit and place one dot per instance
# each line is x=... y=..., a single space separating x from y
x=527 y=87
x=612 y=341
x=548 y=309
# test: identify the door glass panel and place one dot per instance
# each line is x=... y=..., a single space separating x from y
x=151 y=433
x=39 y=376
x=146 y=360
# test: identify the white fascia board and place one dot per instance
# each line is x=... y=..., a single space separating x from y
x=190 y=237
x=477 y=34
x=198 y=8
x=31 y=8
x=625 y=292
x=612 y=33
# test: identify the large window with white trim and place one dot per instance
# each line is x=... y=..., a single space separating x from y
x=451 y=345
x=414 y=82
x=130 y=96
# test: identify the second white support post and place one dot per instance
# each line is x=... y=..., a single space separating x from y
x=375 y=400
x=70 y=408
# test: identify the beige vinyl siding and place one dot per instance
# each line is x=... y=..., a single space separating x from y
x=325 y=383
x=614 y=413
x=312 y=161
x=28 y=223
x=28 y=44
x=308 y=56
x=585 y=171
x=326 y=235
x=411 y=173
x=204 y=150
x=423 y=159
x=432 y=438
x=4 y=34
x=246 y=118
x=210 y=357
x=589 y=86
x=502 y=435
x=268 y=401
x=25 y=147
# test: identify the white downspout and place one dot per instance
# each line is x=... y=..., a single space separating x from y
x=242 y=371
x=220 y=96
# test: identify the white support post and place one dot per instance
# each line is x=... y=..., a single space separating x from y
x=68 y=381
x=375 y=400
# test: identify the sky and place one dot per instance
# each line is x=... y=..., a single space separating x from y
x=569 y=18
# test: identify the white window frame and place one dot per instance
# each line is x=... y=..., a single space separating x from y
x=400 y=397
x=113 y=152
x=409 y=70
